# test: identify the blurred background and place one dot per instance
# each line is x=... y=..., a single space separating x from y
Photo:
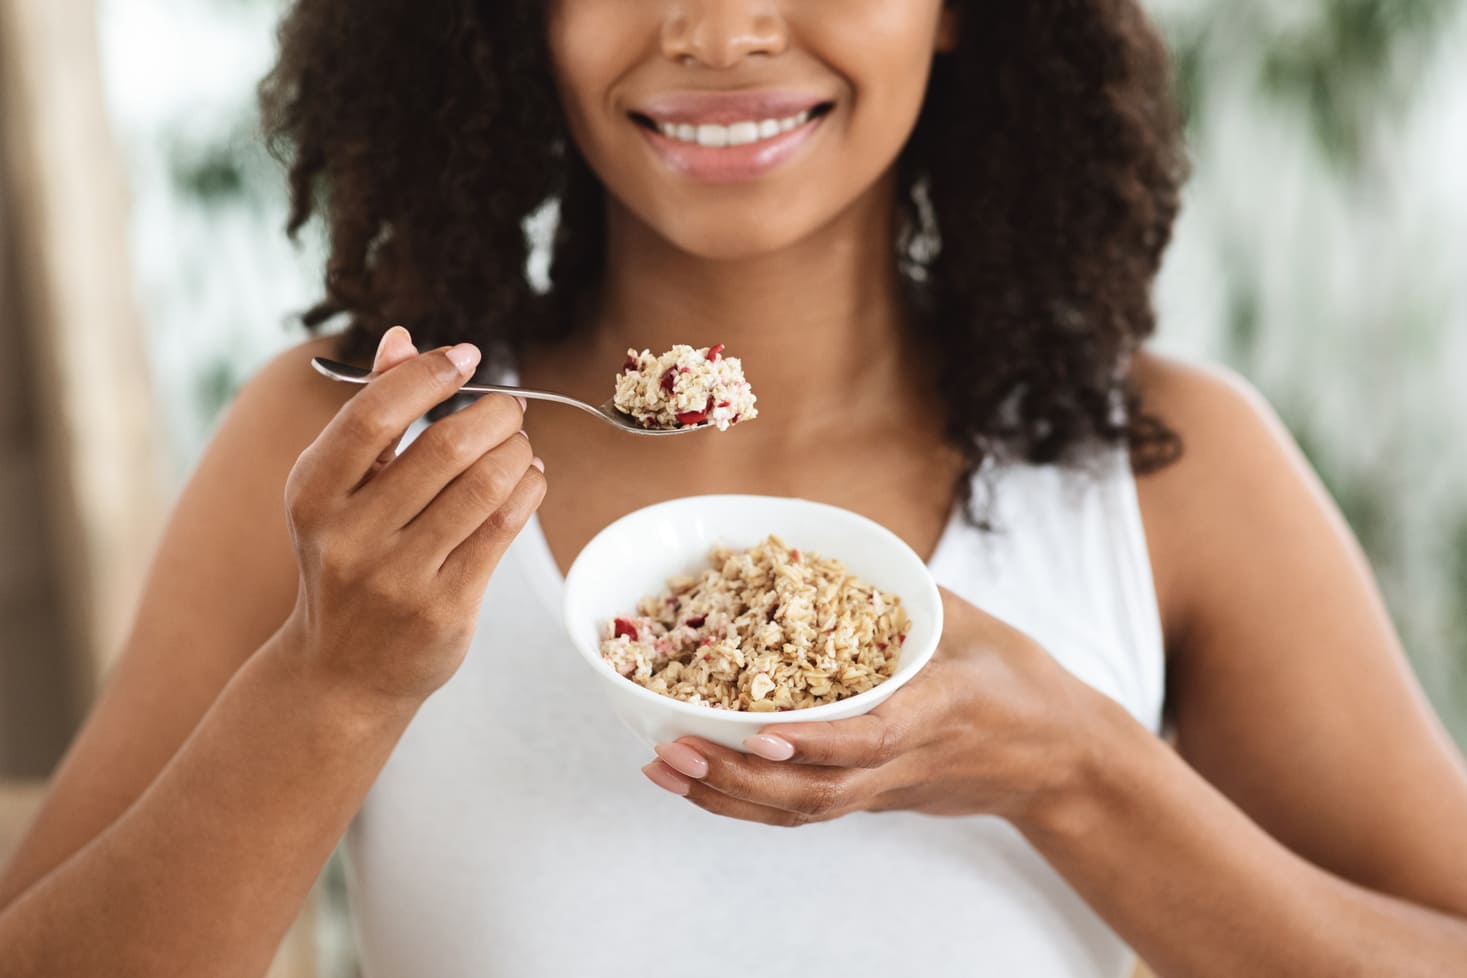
x=144 y=274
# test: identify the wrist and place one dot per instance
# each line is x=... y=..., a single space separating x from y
x=1097 y=769
x=291 y=659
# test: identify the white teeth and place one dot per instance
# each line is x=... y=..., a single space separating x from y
x=787 y=124
x=713 y=135
x=743 y=132
x=735 y=134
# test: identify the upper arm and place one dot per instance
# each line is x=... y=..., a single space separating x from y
x=1287 y=684
x=221 y=582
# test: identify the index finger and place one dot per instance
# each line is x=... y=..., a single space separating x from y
x=377 y=417
x=868 y=741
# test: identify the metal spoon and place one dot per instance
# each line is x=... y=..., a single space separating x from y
x=606 y=412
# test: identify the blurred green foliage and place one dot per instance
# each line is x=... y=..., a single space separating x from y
x=1340 y=64
x=212 y=178
x=1348 y=73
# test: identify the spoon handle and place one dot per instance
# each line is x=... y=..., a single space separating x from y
x=356 y=375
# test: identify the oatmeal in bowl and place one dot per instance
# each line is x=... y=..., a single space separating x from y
x=716 y=616
x=765 y=629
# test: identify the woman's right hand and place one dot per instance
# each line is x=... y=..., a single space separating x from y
x=395 y=551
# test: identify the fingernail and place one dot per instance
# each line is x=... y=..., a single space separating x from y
x=524 y=404
x=465 y=357
x=538 y=463
x=769 y=747
x=666 y=779
x=382 y=343
x=683 y=759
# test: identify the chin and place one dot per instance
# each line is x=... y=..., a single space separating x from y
x=716 y=235
x=734 y=244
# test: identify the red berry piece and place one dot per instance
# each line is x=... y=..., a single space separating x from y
x=696 y=417
x=624 y=627
x=715 y=353
x=669 y=378
x=696 y=622
x=725 y=404
x=630 y=365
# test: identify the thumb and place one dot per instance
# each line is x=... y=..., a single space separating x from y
x=395 y=347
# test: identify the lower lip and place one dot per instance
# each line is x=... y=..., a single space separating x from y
x=730 y=164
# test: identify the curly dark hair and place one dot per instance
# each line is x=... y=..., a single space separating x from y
x=1040 y=187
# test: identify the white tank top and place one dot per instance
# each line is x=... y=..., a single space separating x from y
x=512 y=833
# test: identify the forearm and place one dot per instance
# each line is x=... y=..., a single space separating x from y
x=1200 y=891
x=203 y=874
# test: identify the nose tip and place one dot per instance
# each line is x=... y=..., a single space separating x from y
x=722 y=33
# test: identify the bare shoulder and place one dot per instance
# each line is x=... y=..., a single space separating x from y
x=274 y=417
x=288 y=392
x=1218 y=414
x=1240 y=489
x=1287 y=685
x=233 y=504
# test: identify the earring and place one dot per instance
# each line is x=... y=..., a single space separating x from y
x=920 y=241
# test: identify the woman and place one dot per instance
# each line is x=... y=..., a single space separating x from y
x=939 y=288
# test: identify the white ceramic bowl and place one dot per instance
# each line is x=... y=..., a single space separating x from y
x=635 y=556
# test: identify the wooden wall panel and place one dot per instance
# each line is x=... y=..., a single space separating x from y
x=38 y=705
x=81 y=489
x=66 y=217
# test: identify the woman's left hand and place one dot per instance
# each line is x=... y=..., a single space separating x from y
x=992 y=725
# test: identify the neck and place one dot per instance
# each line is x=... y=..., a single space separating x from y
x=814 y=323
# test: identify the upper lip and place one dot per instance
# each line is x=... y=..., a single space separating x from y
x=722 y=108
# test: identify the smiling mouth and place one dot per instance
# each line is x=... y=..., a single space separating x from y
x=742 y=133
